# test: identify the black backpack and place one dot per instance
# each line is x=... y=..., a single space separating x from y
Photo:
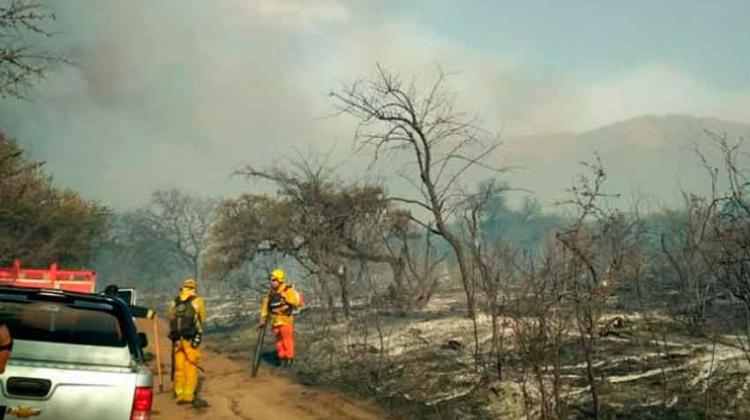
x=184 y=323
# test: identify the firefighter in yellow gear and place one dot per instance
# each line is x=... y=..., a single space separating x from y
x=279 y=304
x=187 y=314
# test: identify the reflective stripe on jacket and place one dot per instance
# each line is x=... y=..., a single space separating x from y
x=280 y=314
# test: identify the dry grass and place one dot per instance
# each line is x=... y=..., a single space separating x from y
x=652 y=367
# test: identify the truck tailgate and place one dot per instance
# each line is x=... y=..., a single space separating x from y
x=58 y=393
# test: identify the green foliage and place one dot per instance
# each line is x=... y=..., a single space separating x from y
x=41 y=223
x=311 y=218
x=525 y=228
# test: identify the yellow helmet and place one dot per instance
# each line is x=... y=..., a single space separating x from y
x=278 y=274
x=190 y=283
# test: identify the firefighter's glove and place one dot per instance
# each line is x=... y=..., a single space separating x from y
x=261 y=325
x=196 y=341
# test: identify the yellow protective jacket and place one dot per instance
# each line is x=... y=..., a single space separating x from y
x=198 y=304
x=278 y=304
x=186 y=357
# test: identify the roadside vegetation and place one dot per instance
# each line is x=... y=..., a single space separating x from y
x=441 y=299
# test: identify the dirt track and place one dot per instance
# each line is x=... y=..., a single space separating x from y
x=233 y=394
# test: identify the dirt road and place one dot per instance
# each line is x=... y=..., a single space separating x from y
x=233 y=394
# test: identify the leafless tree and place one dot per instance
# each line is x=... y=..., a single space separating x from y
x=183 y=222
x=683 y=246
x=726 y=226
x=442 y=143
x=485 y=272
x=22 y=63
x=495 y=266
x=541 y=320
x=414 y=262
x=601 y=255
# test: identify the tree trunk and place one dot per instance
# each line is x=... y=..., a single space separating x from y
x=466 y=275
x=477 y=355
x=343 y=278
x=329 y=299
x=587 y=344
x=497 y=346
x=398 y=267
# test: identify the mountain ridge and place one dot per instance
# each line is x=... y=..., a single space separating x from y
x=650 y=156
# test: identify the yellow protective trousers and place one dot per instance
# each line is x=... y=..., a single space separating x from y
x=186 y=360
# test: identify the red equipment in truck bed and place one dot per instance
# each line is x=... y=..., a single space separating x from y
x=51 y=278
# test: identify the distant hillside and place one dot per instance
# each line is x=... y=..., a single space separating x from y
x=652 y=157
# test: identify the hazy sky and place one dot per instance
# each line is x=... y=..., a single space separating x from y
x=180 y=93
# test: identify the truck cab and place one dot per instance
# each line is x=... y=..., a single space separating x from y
x=75 y=356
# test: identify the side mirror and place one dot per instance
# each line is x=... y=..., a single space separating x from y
x=127 y=295
x=143 y=340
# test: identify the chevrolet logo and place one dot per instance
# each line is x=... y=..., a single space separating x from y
x=23 y=412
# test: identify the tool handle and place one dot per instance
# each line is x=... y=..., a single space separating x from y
x=158 y=353
x=258 y=350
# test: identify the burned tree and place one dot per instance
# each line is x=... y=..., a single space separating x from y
x=725 y=229
x=330 y=228
x=441 y=144
x=414 y=261
x=492 y=264
x=602 y=251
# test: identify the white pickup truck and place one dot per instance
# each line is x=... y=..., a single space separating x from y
x=75 y=356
